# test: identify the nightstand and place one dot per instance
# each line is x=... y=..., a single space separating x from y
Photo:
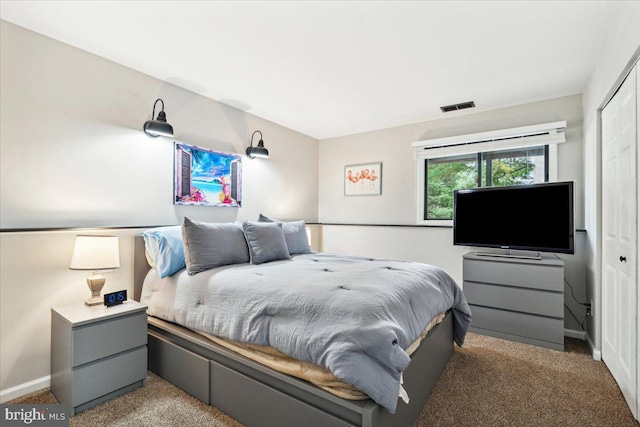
x=97 y=353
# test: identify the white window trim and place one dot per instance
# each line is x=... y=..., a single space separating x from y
x=550 y=134
x=526 y=136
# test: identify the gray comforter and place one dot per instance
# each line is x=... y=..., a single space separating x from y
x=352 y=315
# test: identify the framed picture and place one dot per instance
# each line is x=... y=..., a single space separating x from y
x=206 y=177
x=363 y=179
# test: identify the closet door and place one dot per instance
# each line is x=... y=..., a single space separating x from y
x=620 y=239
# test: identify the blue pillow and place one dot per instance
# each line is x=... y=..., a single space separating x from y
x=165 y=246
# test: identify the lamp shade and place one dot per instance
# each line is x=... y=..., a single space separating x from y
x=259 y=151
x=95 y=253
x=158 y=128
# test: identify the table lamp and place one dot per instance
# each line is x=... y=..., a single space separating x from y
x=97 y=253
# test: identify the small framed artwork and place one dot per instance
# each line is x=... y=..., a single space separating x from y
x=206 y=177
x=364 y=179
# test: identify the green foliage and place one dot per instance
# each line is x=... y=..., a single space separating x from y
x=512 y=171
x=445 y=177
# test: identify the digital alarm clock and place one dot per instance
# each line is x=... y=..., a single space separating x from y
x=115 y=298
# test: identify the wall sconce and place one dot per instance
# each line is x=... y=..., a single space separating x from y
x=259 y=151
x=97 y=253
x=159 y=126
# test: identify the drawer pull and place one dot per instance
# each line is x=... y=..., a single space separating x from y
x=623 y=258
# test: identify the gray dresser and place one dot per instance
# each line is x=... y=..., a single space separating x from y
x=97 y=353
x=516 y=299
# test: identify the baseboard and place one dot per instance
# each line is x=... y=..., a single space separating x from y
x=24 y=389
x=597 y=355
x=572 y=333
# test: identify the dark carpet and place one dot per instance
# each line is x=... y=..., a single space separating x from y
x=488 y=382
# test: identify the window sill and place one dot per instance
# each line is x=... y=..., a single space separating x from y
x=436 y=222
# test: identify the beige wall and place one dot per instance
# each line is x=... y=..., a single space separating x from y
x=397 y=204
x=620 y=51
x=73 y=154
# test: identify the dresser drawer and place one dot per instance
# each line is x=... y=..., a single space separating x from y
x=108 y=337
x=523 y=300
x=97 y=379
x=535 y=276
x=520 y=324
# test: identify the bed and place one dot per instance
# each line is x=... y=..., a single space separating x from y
x=256 y=395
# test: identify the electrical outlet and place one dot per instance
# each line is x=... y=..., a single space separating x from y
x=591 y=311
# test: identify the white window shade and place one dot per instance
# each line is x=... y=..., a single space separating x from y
x=504 y=139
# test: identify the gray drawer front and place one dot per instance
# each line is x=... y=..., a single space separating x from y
x=526 y=325
x=524 y=300
x=97 y=379
x=547 y=277
x=255 y=404
x=98 y=340
x=181 y=367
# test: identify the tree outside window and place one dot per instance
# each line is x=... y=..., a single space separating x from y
x=497 y=169
x=445 y=175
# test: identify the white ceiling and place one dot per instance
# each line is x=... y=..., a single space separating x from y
x=335 y=68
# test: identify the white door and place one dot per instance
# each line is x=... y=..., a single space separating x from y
x=620 y=239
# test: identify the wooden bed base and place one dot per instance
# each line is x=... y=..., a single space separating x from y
x=259 y=396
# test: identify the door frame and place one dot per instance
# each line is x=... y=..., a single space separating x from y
x=599 y=261
x=638 y=238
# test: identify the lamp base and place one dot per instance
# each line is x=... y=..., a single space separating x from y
x=95 y=283
x=94 y=301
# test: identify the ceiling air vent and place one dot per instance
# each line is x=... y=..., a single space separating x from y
x=456 y=107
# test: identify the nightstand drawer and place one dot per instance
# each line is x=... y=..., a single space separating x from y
x=527 y=275
x=103 y=377
x=108 y=337
x=523 y=300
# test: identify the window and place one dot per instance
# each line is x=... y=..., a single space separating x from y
x=526 y=154
x=443 y=175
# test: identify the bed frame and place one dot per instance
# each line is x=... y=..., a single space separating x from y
x=258 y=396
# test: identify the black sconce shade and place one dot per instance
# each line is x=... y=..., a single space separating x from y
x=159 y=126
x=259 y=150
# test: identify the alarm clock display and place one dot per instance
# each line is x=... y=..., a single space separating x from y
x=115 y=298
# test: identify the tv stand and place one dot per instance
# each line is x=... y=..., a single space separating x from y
x=508 y=253
x=516 y=299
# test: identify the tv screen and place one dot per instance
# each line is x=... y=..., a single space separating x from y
x=536 y=217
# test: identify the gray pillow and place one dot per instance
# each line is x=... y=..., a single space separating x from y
x=266 y=241
x=295 y=233
x=209 y=245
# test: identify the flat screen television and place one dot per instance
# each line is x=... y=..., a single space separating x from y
x=536 y=217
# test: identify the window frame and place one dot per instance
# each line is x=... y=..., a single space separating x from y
x=551 y=166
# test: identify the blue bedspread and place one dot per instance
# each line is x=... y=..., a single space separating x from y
x=352 y=315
